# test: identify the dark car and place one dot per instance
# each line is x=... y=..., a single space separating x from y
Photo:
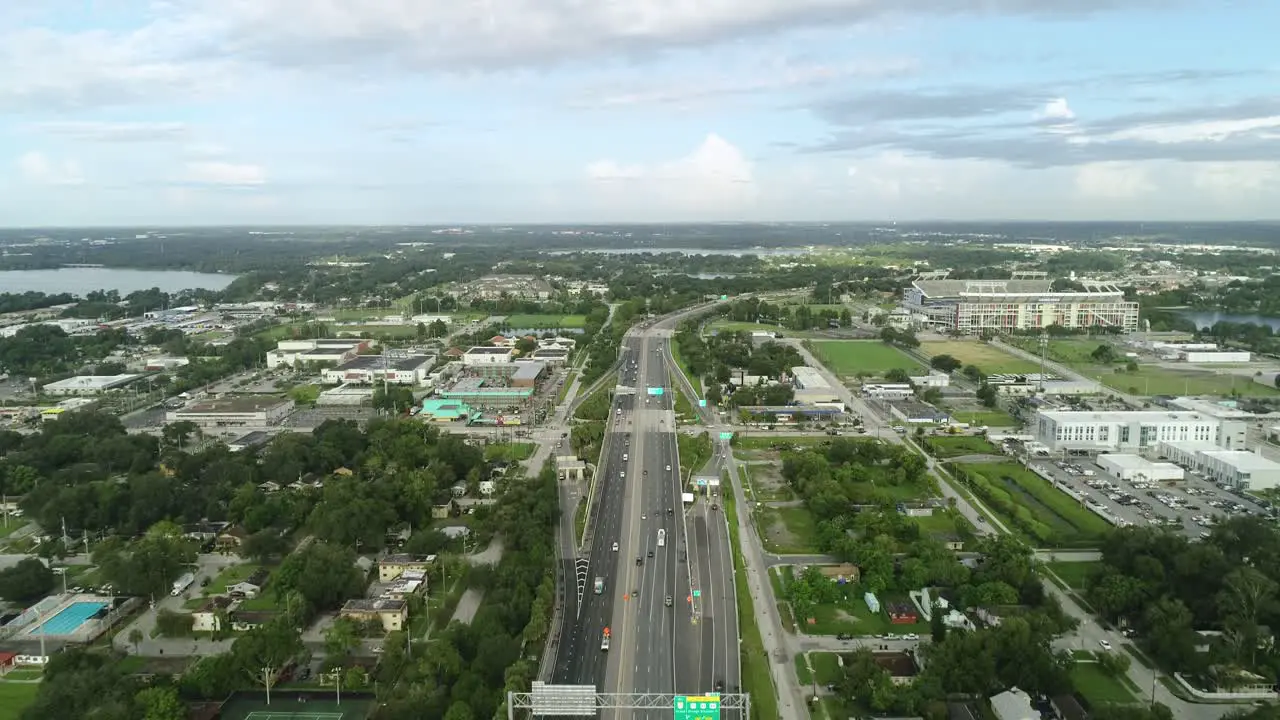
x=651 y=554
x=639 y=561
x=719 y=685
x=844 y=636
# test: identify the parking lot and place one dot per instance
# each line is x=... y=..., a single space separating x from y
x=1193 y=504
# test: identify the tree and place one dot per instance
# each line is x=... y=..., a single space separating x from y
x=937 y=628
x=341 y=638
x=28 y=580
x=264 y=545
x=161 y=703
x=1114 y=664
x=273 y=646
x=394 y=399
x=323 y=574
x=986 y=395
x=135 y=639
x=179 y=433
x=972 y=372
x=945 y=363
x=1104 y=354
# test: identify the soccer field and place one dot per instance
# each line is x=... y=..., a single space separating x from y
x=989 y=360
x=850 y=357
x=538 y=322
x=269 y=715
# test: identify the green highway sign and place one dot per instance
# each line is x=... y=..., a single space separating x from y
x=697 y=707
x=702 y=403
x=726 y=436
x=655 y=391
x=697 y=593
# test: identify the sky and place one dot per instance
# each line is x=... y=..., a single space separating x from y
x=197 y=112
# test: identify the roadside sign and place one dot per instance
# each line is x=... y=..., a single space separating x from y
x=697 y=593
x=655 y=391
x=697 y=707
x=702 y=402
x=726 y=436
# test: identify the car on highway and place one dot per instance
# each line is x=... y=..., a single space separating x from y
x=622 y=474
x=639 y=560
x=668 y=601
x=1105 y=645
x=719 y=685
x=650 y=554
x=615 y=547
x=668 y=468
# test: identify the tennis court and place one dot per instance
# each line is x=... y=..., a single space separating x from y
x=270 y=715
x=69 y=619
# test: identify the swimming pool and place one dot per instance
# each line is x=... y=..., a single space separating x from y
x=69 y=619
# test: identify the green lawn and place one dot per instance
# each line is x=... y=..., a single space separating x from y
x=1074 y=574
x=229 y=576
x=802 y=670
x=509 y=452
x=391 y=331
x=850 y=357
x=1045 y=515
x=980 y=418
x=756 y=676
x=957 y=445
x=797 y=534
x=855 y=618
x=826 y=667
x=990 y=360
x=547 y=322
x=1097 y=687
x=15 y=524
x=15 y=697
x=758 y=442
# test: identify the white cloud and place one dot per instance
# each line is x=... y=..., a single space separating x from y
x=715 y=180
x=1114 y=180
x=115 y=131
x=225 y=173
x=1194 y=132
x=39 y=169
x=1056 y=109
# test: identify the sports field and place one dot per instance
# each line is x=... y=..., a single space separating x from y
x=850 y=357
x=290 y=706
x=989 y=360
x=538 y=321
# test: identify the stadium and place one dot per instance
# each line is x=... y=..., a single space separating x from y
x=976 y=307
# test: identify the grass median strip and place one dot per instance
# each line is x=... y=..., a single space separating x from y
x=756 y=678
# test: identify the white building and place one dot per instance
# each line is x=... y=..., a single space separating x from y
x=1235 y=356
x=1133 y=467
x=167 y=363
x=298 y=353
x=1138 y=431
x=1013 y=704
x=88 y=384
x=811 y=387
x=485 y=355
x=932 y=380
x=371 y=369
x=888 y=391
x=234 y=412
x=1240 y=469
x=973 y=307
x=348 y=395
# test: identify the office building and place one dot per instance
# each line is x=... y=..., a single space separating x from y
x=300 y=353
x=372 y=369
x=234 y=412
x=1240 y=469
x=1137 y=431
x=974 y=307
x=486 y=355
x=812 y=388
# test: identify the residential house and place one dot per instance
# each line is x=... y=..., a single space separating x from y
x=208 y=617
x=232 y=537
x=203 y=531
x=1013 y=704
x=392 y=567
x=269 y=487
x=393 y=614
x=246 y=620
x=1068 y=707
x=250 y=587
x=410 y=582
x=842 y=573
x=902 y=614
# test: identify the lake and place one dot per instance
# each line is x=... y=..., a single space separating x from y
x=83 y=280
x=1206 y=318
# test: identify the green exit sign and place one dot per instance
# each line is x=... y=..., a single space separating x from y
x=697 y=707
x=726 y=436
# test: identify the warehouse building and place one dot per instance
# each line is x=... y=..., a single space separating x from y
x=486 y=355
x=974 y=307
x=346 y=395
x=888 y=391
x=1133 y=467
x=88 y=384
x=812 y=388
x=299 y=353
x=234 y=412
x=371 y=369
x=444 y=410
x=1137 y=431
x=527 y=374
x=1240 y=469
x=551 y=355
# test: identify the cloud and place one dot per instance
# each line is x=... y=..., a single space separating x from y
x=115 y=131
x=37 y=168
x=225 y=174
x=778 y=78
x=493 y=34
x=716 y=178
x=1056 y=110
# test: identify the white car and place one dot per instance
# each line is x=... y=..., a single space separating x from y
x=622 y=474
x=624 y=457
x=615 y=547
x=668 y=468
x=1105 y=645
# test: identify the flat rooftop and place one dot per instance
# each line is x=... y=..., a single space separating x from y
x=377 y=362
x=1241 y=459
x=486 y=350
x=528 y=370
x=92 y=382
x=1124 y=416
x=953 y=288
x=235 y=405
x=374 y=605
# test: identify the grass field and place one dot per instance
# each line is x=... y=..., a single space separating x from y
x=984 y=417
x=958 y=445
x=1046 y=516
x=989 y=360
x=1098 y=687
x=285 y=705
x=1074 y=574
x=15 y=524
x=826 y=667
x=850 y=357
x=15 y=697
x=757 y=678
x=549 y=322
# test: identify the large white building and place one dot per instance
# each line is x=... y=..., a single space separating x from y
x=298 y=353
x=973 y=307
x=811 y=388
x=487 y=355
x=1240 y=469
x=88 y=384
x=234 y=412
x=1134 y=467
x=1137 y=431
x=370 y=369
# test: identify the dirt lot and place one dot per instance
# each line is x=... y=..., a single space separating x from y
x=766 y=478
